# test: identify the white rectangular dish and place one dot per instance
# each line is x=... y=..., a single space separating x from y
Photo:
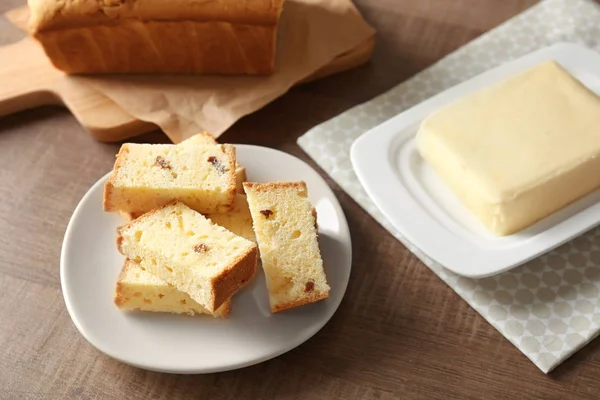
x=424 y=210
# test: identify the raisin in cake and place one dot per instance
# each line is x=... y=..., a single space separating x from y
x=138 y=289
x=285 y=229
x=187 y=250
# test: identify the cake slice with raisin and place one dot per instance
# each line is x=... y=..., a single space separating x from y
x=148 y=176
x=286 y=233
x=189 y=251
x=138 y=289
x=205 y=138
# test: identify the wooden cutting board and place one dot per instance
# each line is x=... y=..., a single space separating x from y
x=29 y=80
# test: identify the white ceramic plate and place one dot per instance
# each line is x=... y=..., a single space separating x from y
x=90 y=264
x=421 y=207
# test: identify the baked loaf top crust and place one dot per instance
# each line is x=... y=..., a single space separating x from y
x=60 y=14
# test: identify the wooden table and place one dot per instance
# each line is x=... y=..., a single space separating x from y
x=400 y=331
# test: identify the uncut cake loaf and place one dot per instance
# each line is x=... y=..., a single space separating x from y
x=285 y=228
x=148 y=176
x=138 y=289
x=187 y=250
x=149 y=36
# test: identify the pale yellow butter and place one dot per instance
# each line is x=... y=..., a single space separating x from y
x=520 y=150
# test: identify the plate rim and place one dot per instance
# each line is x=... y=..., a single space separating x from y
x=380 y=140
x=153 y=366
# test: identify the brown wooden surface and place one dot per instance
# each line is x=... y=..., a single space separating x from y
x=400 y=331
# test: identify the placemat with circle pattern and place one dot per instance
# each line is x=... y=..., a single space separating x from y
x=550 y=307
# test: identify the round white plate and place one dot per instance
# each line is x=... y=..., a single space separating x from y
x=90 y=264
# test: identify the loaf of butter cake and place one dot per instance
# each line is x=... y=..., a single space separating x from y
x=146 y=36
x=189 y=251
x=285 y=227
x=138 y=289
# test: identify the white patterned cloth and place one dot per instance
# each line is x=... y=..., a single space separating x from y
x=550 y=307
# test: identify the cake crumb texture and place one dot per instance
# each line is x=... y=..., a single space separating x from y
x=285 y=228
x=187 y=250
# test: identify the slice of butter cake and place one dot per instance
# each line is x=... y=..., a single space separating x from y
x=206 y=139
x=148 y=176
x=238 y=220
x=285 y=228
x=138 y=289
x=187 y=250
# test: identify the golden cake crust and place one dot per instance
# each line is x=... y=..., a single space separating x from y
x=269 y=186
x=52 y=14
x=300 y=302
x=107 y=203
x=100 y=36
x=234 y=277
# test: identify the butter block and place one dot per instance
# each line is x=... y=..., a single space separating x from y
x=517 y=151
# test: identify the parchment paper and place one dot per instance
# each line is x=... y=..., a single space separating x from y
x=311 y=34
